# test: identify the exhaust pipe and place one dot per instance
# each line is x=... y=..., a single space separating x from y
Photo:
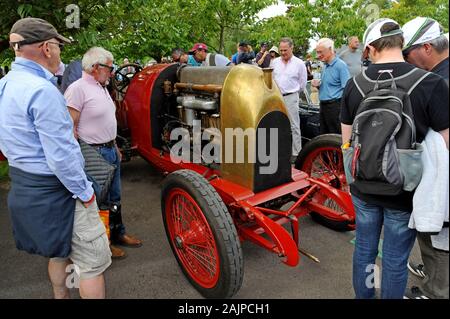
x=268 y=77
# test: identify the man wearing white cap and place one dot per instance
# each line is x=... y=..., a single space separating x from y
x=427 y=47
x=378 y=211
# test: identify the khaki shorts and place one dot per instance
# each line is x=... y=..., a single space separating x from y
x=90 y=245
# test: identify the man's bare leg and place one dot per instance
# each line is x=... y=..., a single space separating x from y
x=93 y=288
x=58 y=275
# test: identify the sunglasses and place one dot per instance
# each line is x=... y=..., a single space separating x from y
x=111 y=68
x=59 y=44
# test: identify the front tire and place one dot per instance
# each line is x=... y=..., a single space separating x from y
x=202 y=235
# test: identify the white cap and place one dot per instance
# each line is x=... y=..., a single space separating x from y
x=274 y=49
x=373 y=31
x=421 y=30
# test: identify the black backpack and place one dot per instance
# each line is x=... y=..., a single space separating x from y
x=383 y=157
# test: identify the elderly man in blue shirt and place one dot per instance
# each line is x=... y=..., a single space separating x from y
x=331 y=86
x=51 y=203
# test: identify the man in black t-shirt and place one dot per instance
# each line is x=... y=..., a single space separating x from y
x=383 y=42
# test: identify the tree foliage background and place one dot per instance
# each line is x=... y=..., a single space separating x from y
x=144 y=29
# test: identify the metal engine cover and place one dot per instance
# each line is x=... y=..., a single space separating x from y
x=204 y=75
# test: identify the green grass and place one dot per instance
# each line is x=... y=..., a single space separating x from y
x=3 y=170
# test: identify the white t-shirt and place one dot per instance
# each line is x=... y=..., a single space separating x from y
x=220 y=60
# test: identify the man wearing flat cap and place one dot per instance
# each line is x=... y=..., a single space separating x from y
x=51 y=203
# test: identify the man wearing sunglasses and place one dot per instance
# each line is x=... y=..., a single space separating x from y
x=51 y=203
x=93 y=113
x=427 y=47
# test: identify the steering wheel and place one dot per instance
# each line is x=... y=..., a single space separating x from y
x=123 y=75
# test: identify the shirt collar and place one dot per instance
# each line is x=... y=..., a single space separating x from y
x=443 y=64
x=34 y=68
x=332 y=61
x=288 y=61
x=89 y=78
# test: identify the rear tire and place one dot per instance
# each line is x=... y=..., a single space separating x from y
x=323 y=156
x=202 y=235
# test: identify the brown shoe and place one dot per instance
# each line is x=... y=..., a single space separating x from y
x=129 y=241
x=117 y=253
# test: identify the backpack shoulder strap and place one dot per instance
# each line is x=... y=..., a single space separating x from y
x=362 y=84
x=409 y=83
x=212 y=59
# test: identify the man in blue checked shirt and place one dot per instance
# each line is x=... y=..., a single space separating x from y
x=51 y=203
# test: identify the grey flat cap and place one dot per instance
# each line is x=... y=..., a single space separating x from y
x=36 y=30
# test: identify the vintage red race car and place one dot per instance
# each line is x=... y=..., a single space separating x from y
x=210 y=207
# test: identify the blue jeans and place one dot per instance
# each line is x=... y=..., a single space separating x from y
x=397 y=244
x=111 y=155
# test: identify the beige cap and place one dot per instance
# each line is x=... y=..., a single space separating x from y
x=274 y=49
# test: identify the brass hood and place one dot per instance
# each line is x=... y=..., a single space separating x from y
x=248 y=95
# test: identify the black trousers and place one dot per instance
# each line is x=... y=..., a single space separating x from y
x=435 y=284
x=330 y=117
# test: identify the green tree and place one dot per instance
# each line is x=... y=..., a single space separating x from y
x=405 y=10
x=335 y=19
x=137 y=28
x=222 y=21
x=151 y=28
x=294 y=24
x=53 y=11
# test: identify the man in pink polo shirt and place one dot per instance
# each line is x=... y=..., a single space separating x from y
x=93 y=114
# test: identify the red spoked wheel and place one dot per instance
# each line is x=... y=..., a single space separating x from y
x=321 y=158
x=202 y=234
x=193 y=238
